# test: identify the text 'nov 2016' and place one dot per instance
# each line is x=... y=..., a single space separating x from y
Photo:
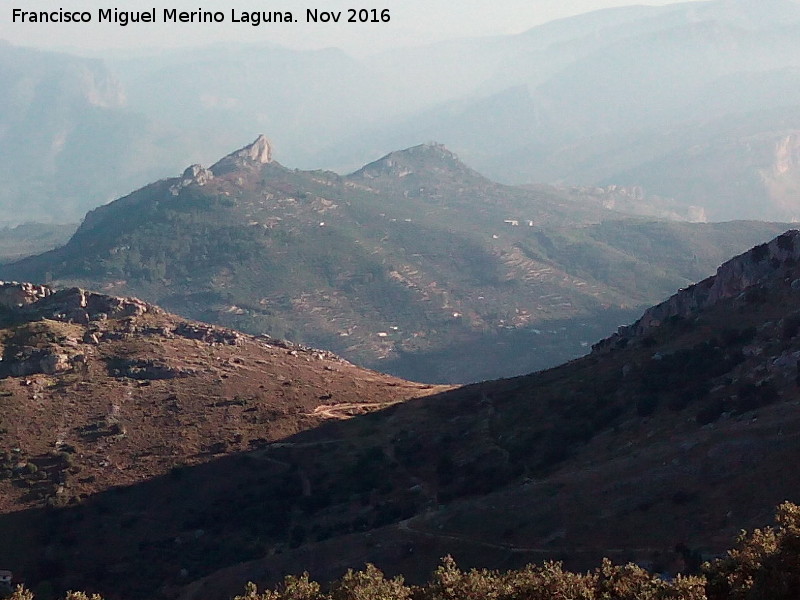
x=172 y=15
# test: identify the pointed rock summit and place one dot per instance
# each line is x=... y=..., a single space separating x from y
x=255 y=154
x=259 y=151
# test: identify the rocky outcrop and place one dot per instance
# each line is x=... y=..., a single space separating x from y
x=193 y=175
x=29 y=354
x=253 y=155
x=29 y=361
x=17 y=295
x=72 y=305
x=146 y=369
x=75 y=305
x=762 y=265
x=197 y=174
x=207 y=334
x=787 y=154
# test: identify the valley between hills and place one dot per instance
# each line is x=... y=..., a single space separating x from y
x=216 y=451
x=552 y=355
x=215 y=457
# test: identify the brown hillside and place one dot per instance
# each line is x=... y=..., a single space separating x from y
x=98 y=393
x=683 y=434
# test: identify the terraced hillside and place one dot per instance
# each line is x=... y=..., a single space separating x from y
x=413 y=265
x=658 y=447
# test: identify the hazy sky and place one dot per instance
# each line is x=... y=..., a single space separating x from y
x=412 y=22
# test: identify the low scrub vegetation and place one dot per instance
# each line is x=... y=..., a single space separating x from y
x=764 y=565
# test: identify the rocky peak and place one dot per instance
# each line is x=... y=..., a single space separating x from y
x=777 y=261
x=253 y=155
x=430 y=157
x=259 y=151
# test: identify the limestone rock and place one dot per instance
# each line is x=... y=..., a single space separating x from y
x=16 y=295
x=74 y=305
x=207 y=334
x=253 y=155
x=147 y=370
x=193 y=175
x=32 y=361
x=197 y=174
x=758 y=266
x=259 y=151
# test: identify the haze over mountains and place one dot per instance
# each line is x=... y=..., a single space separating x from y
x=414 y=265
x=67 y=140
x=349 y=343
x=672 y=98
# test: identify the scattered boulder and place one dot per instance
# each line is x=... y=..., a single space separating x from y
x=31 y=361
x=207 y=334
x=16 y=295
x=145 y=369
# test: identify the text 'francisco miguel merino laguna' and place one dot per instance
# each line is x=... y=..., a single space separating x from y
x=172 y=15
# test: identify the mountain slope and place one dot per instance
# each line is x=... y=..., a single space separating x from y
x=402 y=266
x=99 y=393
x=680 y=431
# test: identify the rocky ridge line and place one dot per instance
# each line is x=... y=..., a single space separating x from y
x=757 y=266
x=71 y=305
x=91 y=312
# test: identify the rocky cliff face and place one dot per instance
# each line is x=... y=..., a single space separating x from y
x=763 y=265
x=253 y=155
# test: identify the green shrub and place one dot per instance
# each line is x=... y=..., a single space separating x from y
x=765 y=565
x=369 y=584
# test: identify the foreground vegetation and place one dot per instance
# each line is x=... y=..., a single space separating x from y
x=765 y=565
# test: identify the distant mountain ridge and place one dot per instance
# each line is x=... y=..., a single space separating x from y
x=695 y=103
x=413 y=264
x=563 y=98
